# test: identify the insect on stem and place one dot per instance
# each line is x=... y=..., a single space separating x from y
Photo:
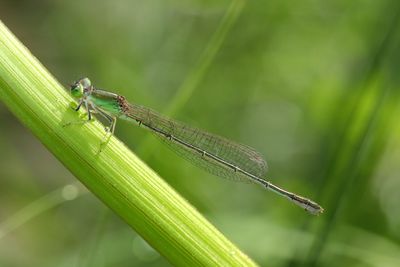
x=217 y=155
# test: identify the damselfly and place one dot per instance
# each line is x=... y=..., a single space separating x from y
x=215 y=154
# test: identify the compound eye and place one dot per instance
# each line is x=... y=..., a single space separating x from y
x=85 y=82
x=77 y=90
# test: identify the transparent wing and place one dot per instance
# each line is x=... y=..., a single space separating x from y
x=235 y=154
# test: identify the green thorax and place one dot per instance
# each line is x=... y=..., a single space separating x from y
x=108 y=102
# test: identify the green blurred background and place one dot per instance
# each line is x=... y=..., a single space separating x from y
x=313 y=85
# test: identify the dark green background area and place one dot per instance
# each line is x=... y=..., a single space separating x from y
x=312 y=85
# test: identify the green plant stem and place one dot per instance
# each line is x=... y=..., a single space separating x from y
x=115 y=175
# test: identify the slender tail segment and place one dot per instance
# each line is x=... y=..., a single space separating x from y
x=307 y=204
x=300 y=201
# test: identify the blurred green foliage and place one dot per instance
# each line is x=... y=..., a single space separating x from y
x=313 y=85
